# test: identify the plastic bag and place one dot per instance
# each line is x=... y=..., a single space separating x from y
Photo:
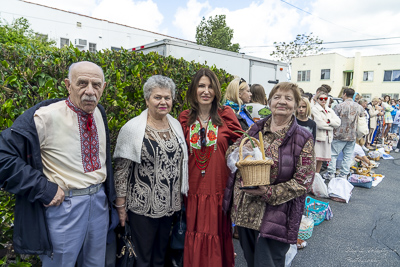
x=255 y=154
x=340 y=188
x=290 y=255
x=305 y=222
x=318 y=187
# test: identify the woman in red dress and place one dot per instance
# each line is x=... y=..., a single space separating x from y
x=208 y=128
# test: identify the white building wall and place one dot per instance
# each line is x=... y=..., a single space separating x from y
x=339 y=65
x=63 y=24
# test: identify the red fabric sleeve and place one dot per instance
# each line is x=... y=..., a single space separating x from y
x=229 y=117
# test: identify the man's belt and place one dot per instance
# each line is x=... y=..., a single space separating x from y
x=93 y=189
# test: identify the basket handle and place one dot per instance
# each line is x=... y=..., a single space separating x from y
x=242 y=143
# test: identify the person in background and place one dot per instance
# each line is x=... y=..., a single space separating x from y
x=258 y=108
x=326 y=120
x=344 y=136
x=303 y=113
x=319 y=89
x=359 y=154
x=268 y=218
x=151 y=172
x=309 y=97
x=356 y=97
x=387 y=107
x=396 y=123
x=364 y=103
x=56 y=159
x=237 y=95
x=328 y=87
x=208 y=130
x=374 y=111
x=395 y=109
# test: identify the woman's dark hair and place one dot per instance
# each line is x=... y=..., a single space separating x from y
x=388 y=100
x=258 y=94
x=191 y=97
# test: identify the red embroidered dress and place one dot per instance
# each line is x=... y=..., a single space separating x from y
x=208 y=240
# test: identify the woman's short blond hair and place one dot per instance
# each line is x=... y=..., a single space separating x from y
x=286 y=86
x=308 y=106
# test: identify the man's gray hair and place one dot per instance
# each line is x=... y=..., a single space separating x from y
x=74 y=65
x=160 y=82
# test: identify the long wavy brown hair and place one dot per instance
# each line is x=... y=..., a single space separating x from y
x=191 y=97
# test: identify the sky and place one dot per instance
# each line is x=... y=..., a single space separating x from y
x=258 y=24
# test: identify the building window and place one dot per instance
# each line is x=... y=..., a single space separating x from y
x=391 y=76
x=92 y=47
x=392 y=96
x=325 y=74
x=79 y=24
x=115 y=48
x=64 y=42
x=368 y=76
x=303 y=76
x=366 y=96
x=42 y=37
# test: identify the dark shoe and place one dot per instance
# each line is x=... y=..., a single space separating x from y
x=235 y=232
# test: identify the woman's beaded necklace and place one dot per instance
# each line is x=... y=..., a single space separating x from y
x=203 y=141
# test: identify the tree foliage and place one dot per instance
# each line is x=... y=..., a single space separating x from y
x=19 y=32
x=303 y=45
x=215 y=33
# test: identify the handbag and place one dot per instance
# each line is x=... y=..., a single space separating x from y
x=126 y=255
x=178 y=232
x=362 y=127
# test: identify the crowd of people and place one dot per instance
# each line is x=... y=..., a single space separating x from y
x=56 y=159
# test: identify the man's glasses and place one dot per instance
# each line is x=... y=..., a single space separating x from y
x=323 y=98
x=241 y=81
x=203 y=137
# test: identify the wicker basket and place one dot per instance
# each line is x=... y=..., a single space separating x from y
x=254 y=172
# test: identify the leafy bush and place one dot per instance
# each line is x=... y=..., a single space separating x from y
x=28 y=76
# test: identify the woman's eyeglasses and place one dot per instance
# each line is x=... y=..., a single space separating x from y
x=323 y=98
x=203 y=137
x=241 y=81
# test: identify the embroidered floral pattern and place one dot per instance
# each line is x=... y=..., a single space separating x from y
x=89 y=139
x=211 y=136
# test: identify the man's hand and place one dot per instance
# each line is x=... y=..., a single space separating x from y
x=58 y=198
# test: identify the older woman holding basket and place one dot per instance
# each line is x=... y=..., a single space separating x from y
x=268 y=218
x=151 y=172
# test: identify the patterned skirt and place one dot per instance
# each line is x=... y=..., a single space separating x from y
x=388 y=117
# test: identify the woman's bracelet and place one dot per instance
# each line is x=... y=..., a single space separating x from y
x=119 y=206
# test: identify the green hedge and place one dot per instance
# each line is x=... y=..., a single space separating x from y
x=31 y=74
x=28 y=76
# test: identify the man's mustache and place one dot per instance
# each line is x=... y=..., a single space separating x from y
x=89 y=98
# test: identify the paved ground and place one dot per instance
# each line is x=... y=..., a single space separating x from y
x=364 y=232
